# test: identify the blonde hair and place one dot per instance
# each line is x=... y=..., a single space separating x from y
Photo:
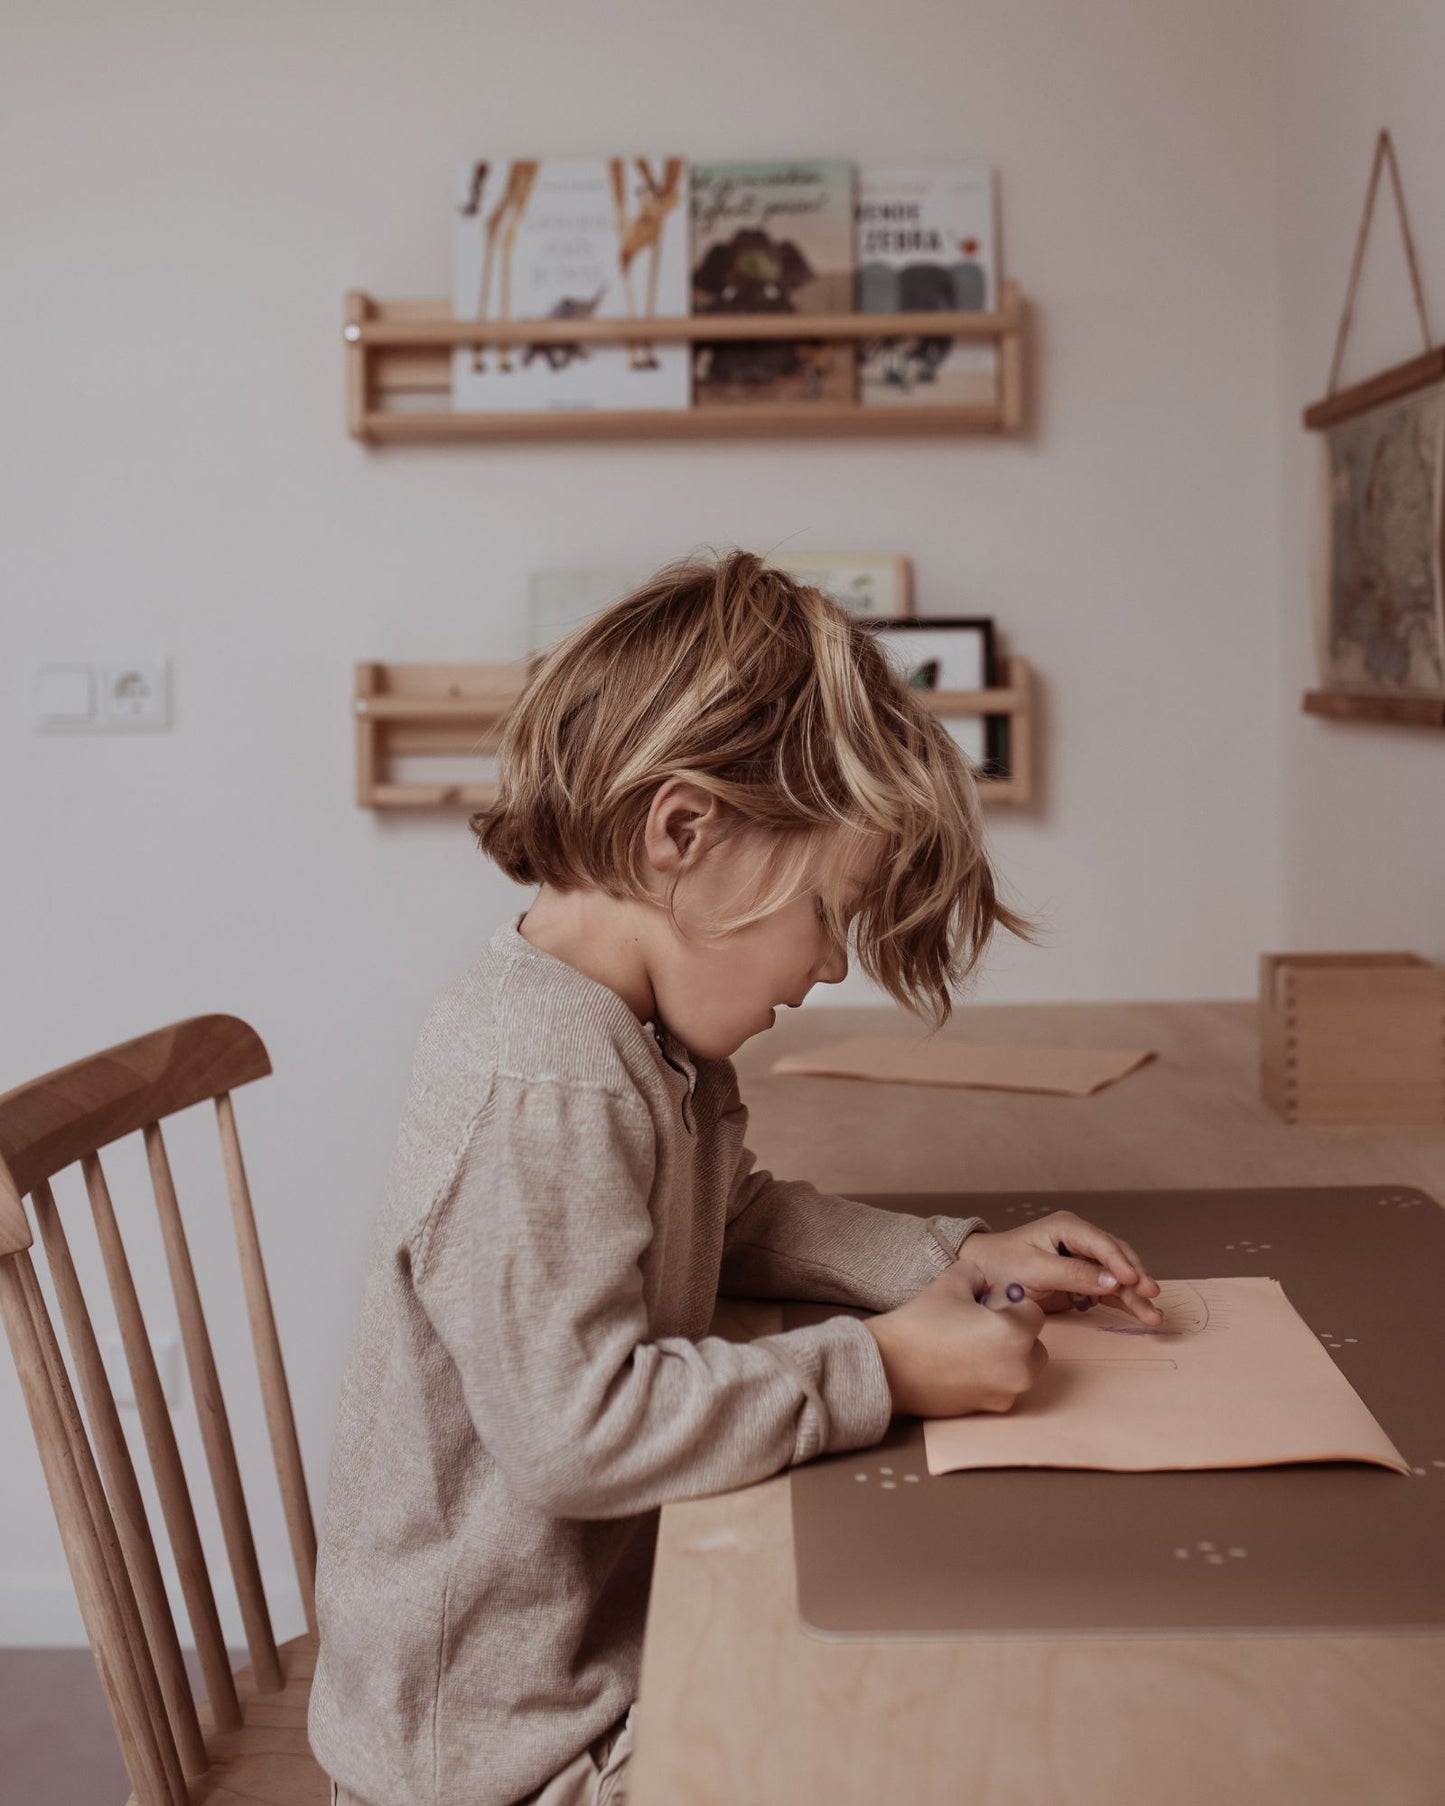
x=779 y=703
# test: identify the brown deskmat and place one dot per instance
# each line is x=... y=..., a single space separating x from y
x=884 y=1549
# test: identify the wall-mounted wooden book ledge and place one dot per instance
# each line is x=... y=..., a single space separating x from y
x=1348 y=705
x=398 y=374
x=456 y=711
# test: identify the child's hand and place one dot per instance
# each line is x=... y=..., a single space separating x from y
x=1096 y=1264
x=945 y=1354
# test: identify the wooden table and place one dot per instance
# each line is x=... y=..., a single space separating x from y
x=741 y=1707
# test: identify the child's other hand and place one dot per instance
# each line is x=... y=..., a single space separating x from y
x=945 y=1354
x=1097 y=1265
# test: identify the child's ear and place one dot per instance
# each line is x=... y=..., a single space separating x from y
x=675 y=821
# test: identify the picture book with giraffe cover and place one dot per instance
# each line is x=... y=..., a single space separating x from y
x=773 y=238
x=926 y=240
x=599 y=239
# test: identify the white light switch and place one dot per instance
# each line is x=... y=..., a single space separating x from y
x=166 y=1348
x=62 y=695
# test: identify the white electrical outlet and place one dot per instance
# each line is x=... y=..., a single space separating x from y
x=165 y=1347
x=127 y=698
x=135 y=696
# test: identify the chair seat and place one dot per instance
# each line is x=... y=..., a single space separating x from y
x=268 y=1761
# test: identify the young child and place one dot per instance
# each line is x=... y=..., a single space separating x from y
x=713 y=783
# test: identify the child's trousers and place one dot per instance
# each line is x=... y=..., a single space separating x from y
x=594 y=1777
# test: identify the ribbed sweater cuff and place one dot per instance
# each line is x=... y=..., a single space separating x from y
x=841 y=1371
x=948 y=1235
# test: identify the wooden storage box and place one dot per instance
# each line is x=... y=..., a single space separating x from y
x=1352 y=1037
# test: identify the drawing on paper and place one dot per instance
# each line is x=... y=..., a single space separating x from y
x=1185 y=1308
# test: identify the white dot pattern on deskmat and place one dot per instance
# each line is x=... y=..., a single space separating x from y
x=1209 y=1554
x=886 y=1477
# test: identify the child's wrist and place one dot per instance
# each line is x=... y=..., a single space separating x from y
x=881 y=1329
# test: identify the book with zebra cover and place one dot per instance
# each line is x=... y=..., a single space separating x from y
x=773 y=238
x=926 y=239
x=604 y=238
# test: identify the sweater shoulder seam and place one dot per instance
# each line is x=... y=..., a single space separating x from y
x=420 y=1239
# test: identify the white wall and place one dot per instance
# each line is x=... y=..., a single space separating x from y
x=186 y=194
x=1363 y=826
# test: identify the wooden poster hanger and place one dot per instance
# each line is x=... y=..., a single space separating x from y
x=1404 y=378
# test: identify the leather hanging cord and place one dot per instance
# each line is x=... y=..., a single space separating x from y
x=1383 y=149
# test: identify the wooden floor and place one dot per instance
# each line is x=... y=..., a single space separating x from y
x=57 y=1747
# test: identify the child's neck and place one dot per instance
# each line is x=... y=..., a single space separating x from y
x=590 y=932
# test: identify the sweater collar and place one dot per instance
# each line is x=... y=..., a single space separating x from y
x=509 y=939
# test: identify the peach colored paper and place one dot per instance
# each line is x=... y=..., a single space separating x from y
x=1234 y=1378
x=997 y=1065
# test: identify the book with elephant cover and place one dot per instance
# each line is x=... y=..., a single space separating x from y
x=773 y=238
x=926 y=239
x=599 y=239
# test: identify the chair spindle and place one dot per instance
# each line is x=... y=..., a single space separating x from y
x=275 y=1393
x=118 y=1472
x=160 y=1437
x=215 y=1426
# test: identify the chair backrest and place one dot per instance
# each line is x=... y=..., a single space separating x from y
x=69 y=1115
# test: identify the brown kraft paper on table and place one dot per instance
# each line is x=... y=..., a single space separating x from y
x=1233 y=1377
x=883 y=1548
x=995 y=1065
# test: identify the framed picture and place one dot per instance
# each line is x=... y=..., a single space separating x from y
x=865 y=583
x=558 y=601
x=871 y=584
x=953 y=652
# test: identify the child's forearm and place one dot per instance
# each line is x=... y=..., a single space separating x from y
x=788 y=1239
x=678 y=1419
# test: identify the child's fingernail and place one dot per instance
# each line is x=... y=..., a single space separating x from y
x=1107 y=1279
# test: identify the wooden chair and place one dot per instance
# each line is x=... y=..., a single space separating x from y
x=247 y=1740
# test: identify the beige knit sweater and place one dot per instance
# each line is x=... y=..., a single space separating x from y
x=532 y=1376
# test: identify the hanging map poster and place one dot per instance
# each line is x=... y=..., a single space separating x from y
x=1384 y=626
